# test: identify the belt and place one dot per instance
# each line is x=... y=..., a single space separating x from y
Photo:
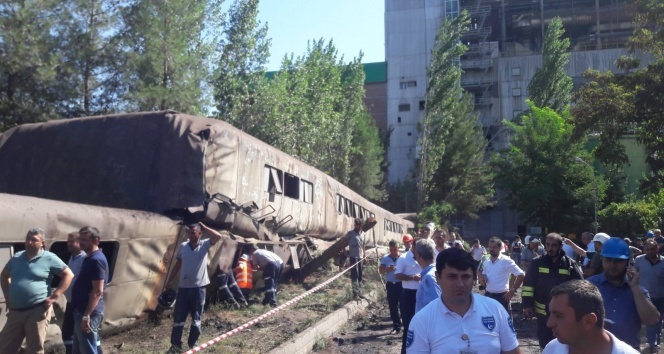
x=28 y=308
x=406 y=289
x=490 y=293
x=393 y=282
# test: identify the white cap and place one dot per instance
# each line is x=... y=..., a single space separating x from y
x=526 y=239
x=431 y=226
x=601 y=237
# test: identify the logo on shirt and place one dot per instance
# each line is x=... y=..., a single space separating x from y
x=409 y=338
x=489 y=322
x=511 y=324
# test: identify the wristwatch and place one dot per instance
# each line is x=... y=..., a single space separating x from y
x=87 y=318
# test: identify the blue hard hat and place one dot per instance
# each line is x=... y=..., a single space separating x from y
x=615 y=248
x=649 y=233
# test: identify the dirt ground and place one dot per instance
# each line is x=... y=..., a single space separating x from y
x=369 y=332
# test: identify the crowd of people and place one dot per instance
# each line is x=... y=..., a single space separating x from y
x=591 y=297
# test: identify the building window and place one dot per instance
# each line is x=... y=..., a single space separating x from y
x=421 y=105
x=404 y=107
x=516 y=71
x=409 y=133
x=407 y=84
x=306 y=191
x=398 y=119
x=274 y=180
x=291 y=186
x=516 y=92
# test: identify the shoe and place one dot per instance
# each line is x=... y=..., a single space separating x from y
x=396 y=331
x=174 y=349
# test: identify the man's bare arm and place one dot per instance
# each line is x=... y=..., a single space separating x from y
x=5 y=280
x=216 y=236
x=66 y=277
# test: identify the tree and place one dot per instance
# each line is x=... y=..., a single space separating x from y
x=649 y=33
x=539 y=175
x=442 y=99
x=169 y=45
x=91 y=59
x=367 y=170
x=29 y=62
x=241 y=71
x=551 y=86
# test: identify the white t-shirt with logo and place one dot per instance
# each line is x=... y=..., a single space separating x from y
x=619 y=347
x=485 y=328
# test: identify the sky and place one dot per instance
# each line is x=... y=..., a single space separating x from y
x=353 y=25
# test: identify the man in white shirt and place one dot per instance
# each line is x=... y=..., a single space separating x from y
x=496 y=273
x=577 y=321
x=408 y=271
x=460 y=321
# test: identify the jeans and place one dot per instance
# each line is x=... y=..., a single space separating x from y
x=189 y=301
x=394 y=290
x=356 y=275
x=653 y=332
x=86 y=343
x=271 y=275
x=516 y=256
x=407 y=306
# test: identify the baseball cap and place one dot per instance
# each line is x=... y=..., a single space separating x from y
x=407 y=238
x=601 y=237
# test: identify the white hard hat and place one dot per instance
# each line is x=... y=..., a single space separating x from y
x=601 y=237
x=527 y=239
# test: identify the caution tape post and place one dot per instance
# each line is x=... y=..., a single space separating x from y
x=268 y=314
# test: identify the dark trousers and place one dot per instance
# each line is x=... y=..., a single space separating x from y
x=653 y=332
x=356 y=275
x=189 y=301
x=228 y=288
x=407 y=307
x=499 y=297
x=271 y=275
x=394 y=290
x=544 y=333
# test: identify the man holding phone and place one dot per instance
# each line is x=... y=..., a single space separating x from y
x=627 y=304
x=388 y=264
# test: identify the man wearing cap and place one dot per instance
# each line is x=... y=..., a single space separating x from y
x=26 y=286
x=408 y=271
x=650 y=266
x=531 y=252
x=543 y=274
x=626 y=303
x=595 y=266
x=355 y=238
x=388 y=264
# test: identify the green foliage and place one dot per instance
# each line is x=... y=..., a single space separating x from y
x=539 y=174
x=442 y=100
x=29 y=57
x=629 y=219
x=367 y=160
x=436 y=212
x=169 y=44
x=551 y=86
x=402 y=196
x=649 y=34
x=240 y=74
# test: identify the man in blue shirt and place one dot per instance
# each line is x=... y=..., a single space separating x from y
x=388 y=264
x=88 y=293
x=651 y=276
x=429 y=289
x=26 y=285
x=627 y=304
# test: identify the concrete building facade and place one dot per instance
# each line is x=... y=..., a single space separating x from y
x=504 y=51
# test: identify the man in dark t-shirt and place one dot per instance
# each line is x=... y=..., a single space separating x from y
x=88 y=293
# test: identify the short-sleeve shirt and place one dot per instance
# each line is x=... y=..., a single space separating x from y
x=387 y=261
x=262 y=257
x=429 y=290
x=436 y=329
x=651 y=276
x=407 y=265
x=75 y=263
x=31 y=279
x=478 y=252
x=618 y=347
x=622 y=318
x=193 y=270
x=94 y=267
x=498 y=273
x=355 y=242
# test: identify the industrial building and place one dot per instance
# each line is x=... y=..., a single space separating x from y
x=504 y=51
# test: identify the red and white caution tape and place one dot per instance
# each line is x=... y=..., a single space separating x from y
x=267 y=314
